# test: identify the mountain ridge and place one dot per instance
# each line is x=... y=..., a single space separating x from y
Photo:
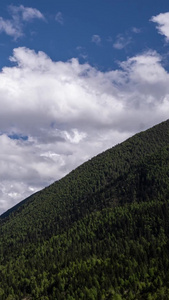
x=101 y=232
x=140 y=134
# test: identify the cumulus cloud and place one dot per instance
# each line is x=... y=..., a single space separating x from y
x=162 y=21
x=55 y=115
x=96 y=39
x=59 y=18
x=19 y=14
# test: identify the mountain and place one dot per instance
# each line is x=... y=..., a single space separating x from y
x=101 y=232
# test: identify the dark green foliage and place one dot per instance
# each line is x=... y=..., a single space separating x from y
x=102 y=232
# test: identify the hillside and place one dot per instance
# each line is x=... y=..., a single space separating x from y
x=101 y=232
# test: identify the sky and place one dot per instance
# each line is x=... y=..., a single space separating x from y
x=76 y=78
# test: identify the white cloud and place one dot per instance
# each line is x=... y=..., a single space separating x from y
x=163 y=24
x=136 y=30
x=25 y=13
x=69 y=113
x=19 y=14
x=122 y=41
x=10 y=28
x=96 y=39
x=59 y=18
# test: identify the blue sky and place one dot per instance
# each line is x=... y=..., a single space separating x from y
x=68 y=28
x=76 y=78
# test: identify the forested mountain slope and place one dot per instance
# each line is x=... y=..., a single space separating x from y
x=101 y=232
